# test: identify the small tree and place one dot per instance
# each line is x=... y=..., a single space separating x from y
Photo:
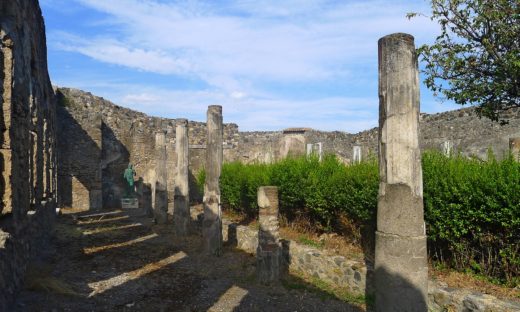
x=476 y=58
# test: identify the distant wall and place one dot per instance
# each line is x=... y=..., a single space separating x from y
x=28 y=143
x=466 y=133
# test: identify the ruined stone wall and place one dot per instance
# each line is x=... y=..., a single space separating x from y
x=28 y=145
x=98 y=139
x=466 y=132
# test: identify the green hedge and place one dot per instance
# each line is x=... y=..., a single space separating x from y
x=472 y=208
x=472 y=212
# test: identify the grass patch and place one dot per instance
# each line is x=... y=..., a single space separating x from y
x=303 y=239
x=325 y=290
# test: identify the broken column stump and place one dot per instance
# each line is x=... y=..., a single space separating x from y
x=181 y=207
x=160 y=208
x=212 y=223
x=268 y=252
x=401 y=271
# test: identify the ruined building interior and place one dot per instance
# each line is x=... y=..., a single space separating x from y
x=65 y=150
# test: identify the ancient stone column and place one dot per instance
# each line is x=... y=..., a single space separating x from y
x=514 y=147
x=181 y=205
x=212 y=224
x=447 y=148
x=161 y=192
x=268 y=252
x=356 y=154
x=401 y=271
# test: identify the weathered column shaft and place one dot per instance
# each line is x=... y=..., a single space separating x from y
x=161 y=193
x=268 y=253
x=401 y=272
x=212 y=224
x=356 y=154
x=181 y=205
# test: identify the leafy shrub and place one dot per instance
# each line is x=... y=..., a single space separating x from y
x=472 y=207
x=472 y=213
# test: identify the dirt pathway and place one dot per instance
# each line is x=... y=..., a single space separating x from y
x=115 y=262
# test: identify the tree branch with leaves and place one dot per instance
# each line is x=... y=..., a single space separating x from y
x=476 y=58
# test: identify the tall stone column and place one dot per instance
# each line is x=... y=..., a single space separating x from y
x=401 y=271
x=268 y=252
x=161 y=192
x=212 y=224
x=181 y=204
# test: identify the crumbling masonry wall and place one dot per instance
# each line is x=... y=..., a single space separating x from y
x=98 y=139
x=28 y=145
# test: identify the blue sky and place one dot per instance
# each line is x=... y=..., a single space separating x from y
x=270 y=64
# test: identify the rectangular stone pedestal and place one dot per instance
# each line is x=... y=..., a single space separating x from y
x=129 y=203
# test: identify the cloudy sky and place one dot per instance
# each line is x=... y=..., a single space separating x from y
x=271 y=64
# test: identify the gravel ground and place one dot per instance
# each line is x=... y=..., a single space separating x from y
x=117 y=262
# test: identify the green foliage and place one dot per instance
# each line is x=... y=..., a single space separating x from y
x=472 y=207
x=472 y=212
x=319 y=190
x=303 y=239
x=239 y=186
x=201 y=178
x=476 y=58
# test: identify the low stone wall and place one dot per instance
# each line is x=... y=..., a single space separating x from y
x=355 y=275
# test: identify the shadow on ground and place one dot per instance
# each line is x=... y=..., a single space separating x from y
x=115 y=262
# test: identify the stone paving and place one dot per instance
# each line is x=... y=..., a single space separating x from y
x=116 y=262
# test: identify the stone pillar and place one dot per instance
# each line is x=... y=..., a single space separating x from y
x=160 y=207
x=309 y=149
x=181 y=205
x=401 y=271
x=268 y=252
x=514 y=147
x=212 y=224
x=447 y=148
x=356 y=154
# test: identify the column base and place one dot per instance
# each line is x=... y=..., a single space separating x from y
x=401 y=273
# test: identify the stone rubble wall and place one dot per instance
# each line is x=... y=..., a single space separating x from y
x=28 y=143
x=468 y=133
x=356 y=276
x=89 y=153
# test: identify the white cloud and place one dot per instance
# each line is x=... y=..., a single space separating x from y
x=315 y=40
x=237 y=95
x=240 y=49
